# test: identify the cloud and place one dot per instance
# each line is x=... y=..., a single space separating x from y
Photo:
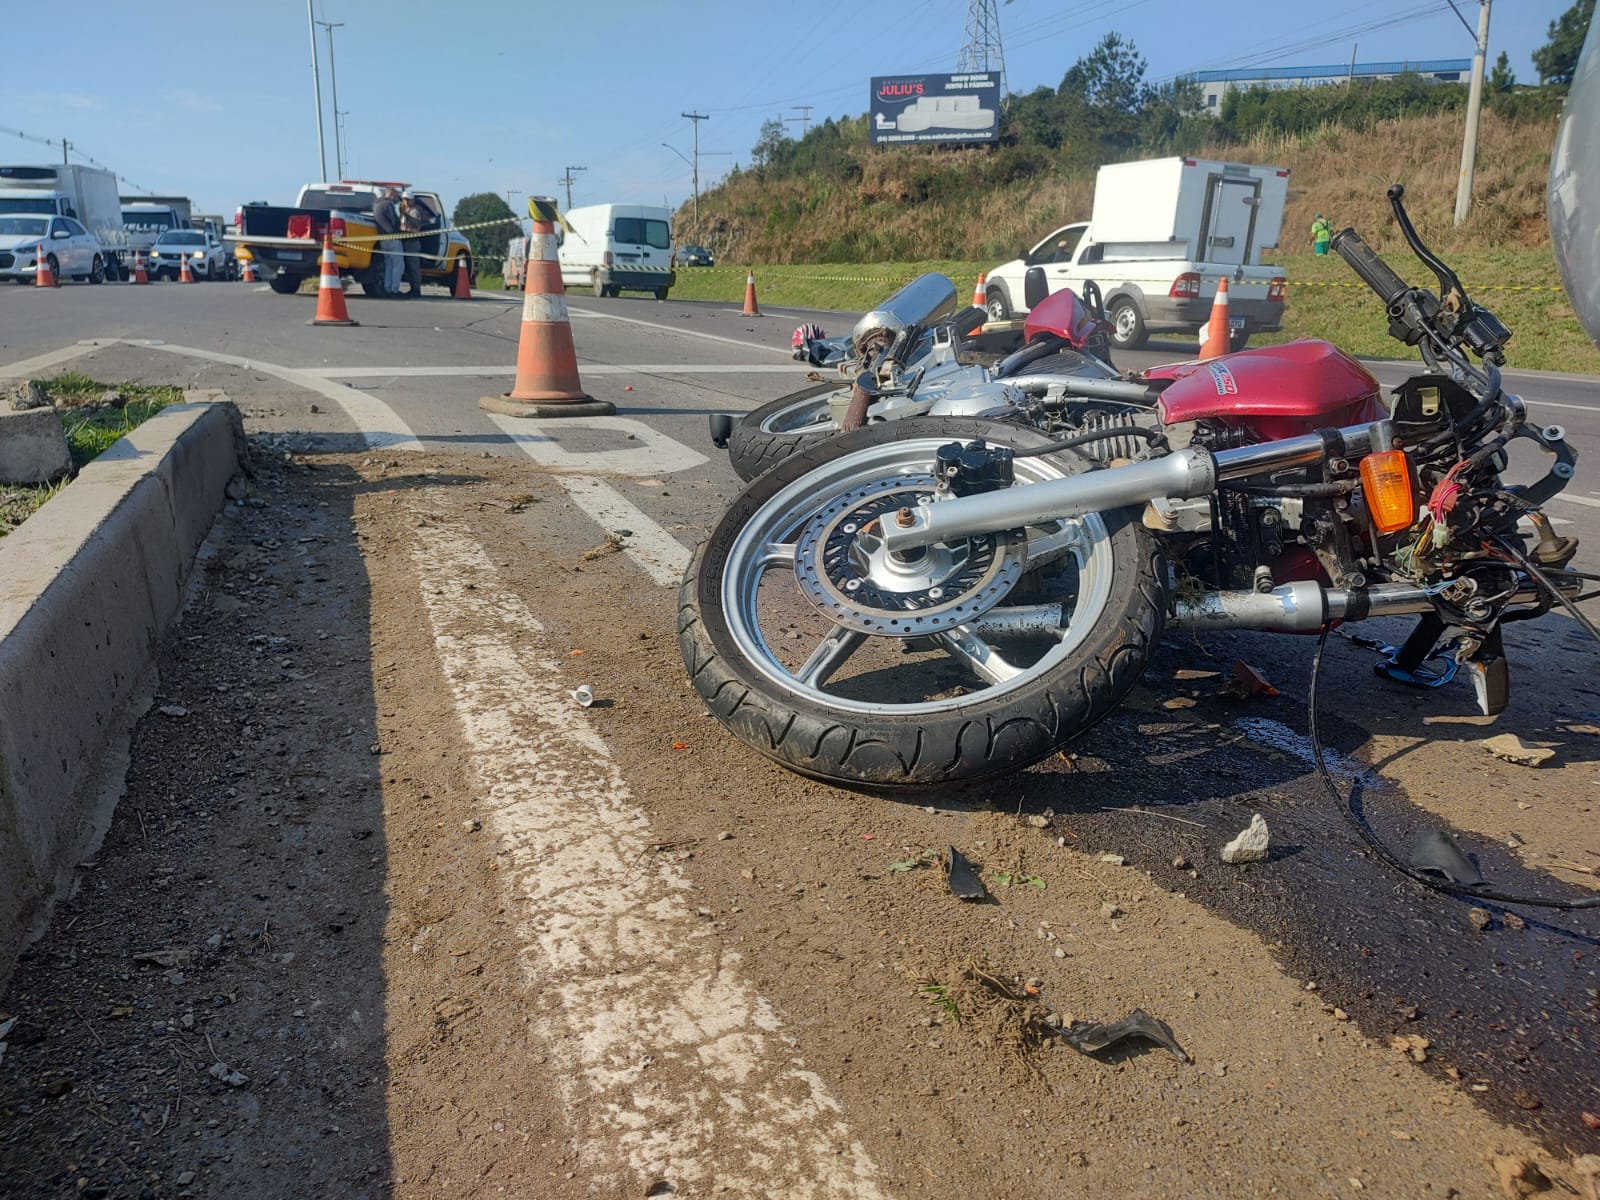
x=193 y=101
x=40 y=101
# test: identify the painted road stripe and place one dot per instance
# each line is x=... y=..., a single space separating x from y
x=645 y=452
x=679 y=330
x=1584 y=500
x=796 y=369
x=27 y=367
x=663 y=557
x=626 y=983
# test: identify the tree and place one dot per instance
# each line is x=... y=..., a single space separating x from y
x=770 y=145
x=1502 y=78
x=1557 y=59
x=1109 y=77
x=490 y=243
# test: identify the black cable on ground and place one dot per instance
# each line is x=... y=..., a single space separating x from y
x=1376 y=845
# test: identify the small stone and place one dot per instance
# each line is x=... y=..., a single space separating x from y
x=173 y=710
x=226 y=1074
x=1251 y=844
x=315 y=409
x=1219 y=1069
x=1180 y=863
x=59 y=1086
x=725 y=836
x=1116 y=860
x=1111 y=911
x=471 y=825
x=1511 y=921
x=184 y=1179
x=1480 y=918
x=1510 y=748
x=1339 y=1014
x=1591 y=1120
x=1178 y=702
x=1037 y=820
x=1411 y=1045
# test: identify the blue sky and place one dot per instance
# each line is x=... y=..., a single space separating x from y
x=487 y=95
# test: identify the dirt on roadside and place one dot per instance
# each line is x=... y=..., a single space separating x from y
x=297 y=966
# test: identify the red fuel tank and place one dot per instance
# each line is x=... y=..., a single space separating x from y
x=1275 y=391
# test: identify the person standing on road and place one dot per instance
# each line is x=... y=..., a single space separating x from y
x=386 y=216
x=413 y=220
x=1321 y=234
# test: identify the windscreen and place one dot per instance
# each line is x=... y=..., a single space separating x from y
x=42 y=204
x=22 y=226
x=181 y=237
x=147 y=222
x=643 y=232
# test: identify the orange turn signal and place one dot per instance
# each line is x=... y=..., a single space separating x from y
x=1386 y=483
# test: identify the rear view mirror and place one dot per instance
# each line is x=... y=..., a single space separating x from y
x=1035 y=287
x=60 y=233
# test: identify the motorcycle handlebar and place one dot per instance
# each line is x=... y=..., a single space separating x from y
x=1364 y=261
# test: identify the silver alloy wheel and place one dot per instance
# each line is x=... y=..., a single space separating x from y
x=999 y=650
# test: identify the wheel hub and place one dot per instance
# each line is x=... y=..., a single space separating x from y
x=844 y=570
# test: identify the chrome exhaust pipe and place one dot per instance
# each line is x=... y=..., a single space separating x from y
x=1305 y=607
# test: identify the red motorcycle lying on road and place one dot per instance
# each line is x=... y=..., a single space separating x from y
x=940 y=599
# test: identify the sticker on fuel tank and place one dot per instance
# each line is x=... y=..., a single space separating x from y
x=1224 y=380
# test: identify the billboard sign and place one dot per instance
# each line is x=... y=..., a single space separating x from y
x=914 y=109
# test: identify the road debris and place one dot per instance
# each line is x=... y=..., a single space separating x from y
x=1088 y=1037
x=1247 y=681
x=583 y=694
x=964 y=881
x=1518 y=1176
x=223 y=1073
x=1510 y=748
x=1437 y=853
x=175 y=711
x=1412 y=1045
x=1480 y=918
x=1251 y=844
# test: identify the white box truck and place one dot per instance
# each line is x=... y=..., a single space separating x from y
x=86 y=194
x=618 y=247
x=1161 y=234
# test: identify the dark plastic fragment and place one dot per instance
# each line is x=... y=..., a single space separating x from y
x=1087 y=1037
x=1436 y=851
x=964 y=881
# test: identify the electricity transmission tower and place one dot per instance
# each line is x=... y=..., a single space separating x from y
x=981 y=51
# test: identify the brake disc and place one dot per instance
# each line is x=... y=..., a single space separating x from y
x=846 y=573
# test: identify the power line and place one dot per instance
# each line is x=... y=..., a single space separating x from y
x=65 y=146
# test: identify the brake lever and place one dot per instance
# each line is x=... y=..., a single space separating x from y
x=1451 y=294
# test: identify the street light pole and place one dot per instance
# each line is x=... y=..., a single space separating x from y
x=694 y=167
x=333 y=82
x=316 y=84
x=569 y=179
x=510 y=192
x=1469 y=144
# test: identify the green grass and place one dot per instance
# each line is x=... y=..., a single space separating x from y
x=1326 y=299
x=91 y=425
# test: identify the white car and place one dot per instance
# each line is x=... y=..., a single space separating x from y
x=208 y=259
x=71 y=250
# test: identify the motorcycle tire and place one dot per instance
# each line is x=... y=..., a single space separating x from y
x=777 y=431
x=741 y=603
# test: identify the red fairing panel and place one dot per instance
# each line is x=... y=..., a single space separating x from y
x=1061 y=313
x=1276 y=391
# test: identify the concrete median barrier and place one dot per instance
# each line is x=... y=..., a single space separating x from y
x=88 y=588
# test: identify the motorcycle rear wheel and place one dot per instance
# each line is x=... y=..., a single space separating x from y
x=778 y=430
x=825 y=688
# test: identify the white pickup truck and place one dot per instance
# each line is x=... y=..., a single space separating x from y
x=1162 y=233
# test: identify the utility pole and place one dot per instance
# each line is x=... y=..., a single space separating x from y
x=694 y=167
x=1469 y=144
x=510 y=192
x=568 y=179
x=804 y=118
x=333 y=82
x=64 y=145
x=316 y=85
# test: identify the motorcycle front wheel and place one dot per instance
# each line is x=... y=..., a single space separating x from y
x=974 y=658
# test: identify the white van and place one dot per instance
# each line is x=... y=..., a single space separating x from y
x=618 y=247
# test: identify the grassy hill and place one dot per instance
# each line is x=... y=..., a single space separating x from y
x=840 y=237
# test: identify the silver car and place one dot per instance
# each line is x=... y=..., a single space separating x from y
x=71 y=250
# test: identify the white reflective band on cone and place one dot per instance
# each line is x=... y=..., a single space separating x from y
x=542 y=247
x=546 y=309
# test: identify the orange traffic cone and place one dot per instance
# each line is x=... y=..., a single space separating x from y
x=185 y=275
x=43 y=276
x=331 y=309
x=140 y=275
x=463 y=285
x=248 y=273
x=751 y=309
x=1217 y=337
x=979 y=299
x=547 y=362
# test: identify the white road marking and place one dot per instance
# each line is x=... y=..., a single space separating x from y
x=627 y=984
x=710 y=337
x=1584 y=500
x=583 y=368
x=650 y=453
x=27 y=367
x=663 y=557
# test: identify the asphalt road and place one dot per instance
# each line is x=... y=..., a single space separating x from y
x=410 y=376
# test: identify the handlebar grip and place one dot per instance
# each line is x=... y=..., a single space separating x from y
x=1364 y=261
